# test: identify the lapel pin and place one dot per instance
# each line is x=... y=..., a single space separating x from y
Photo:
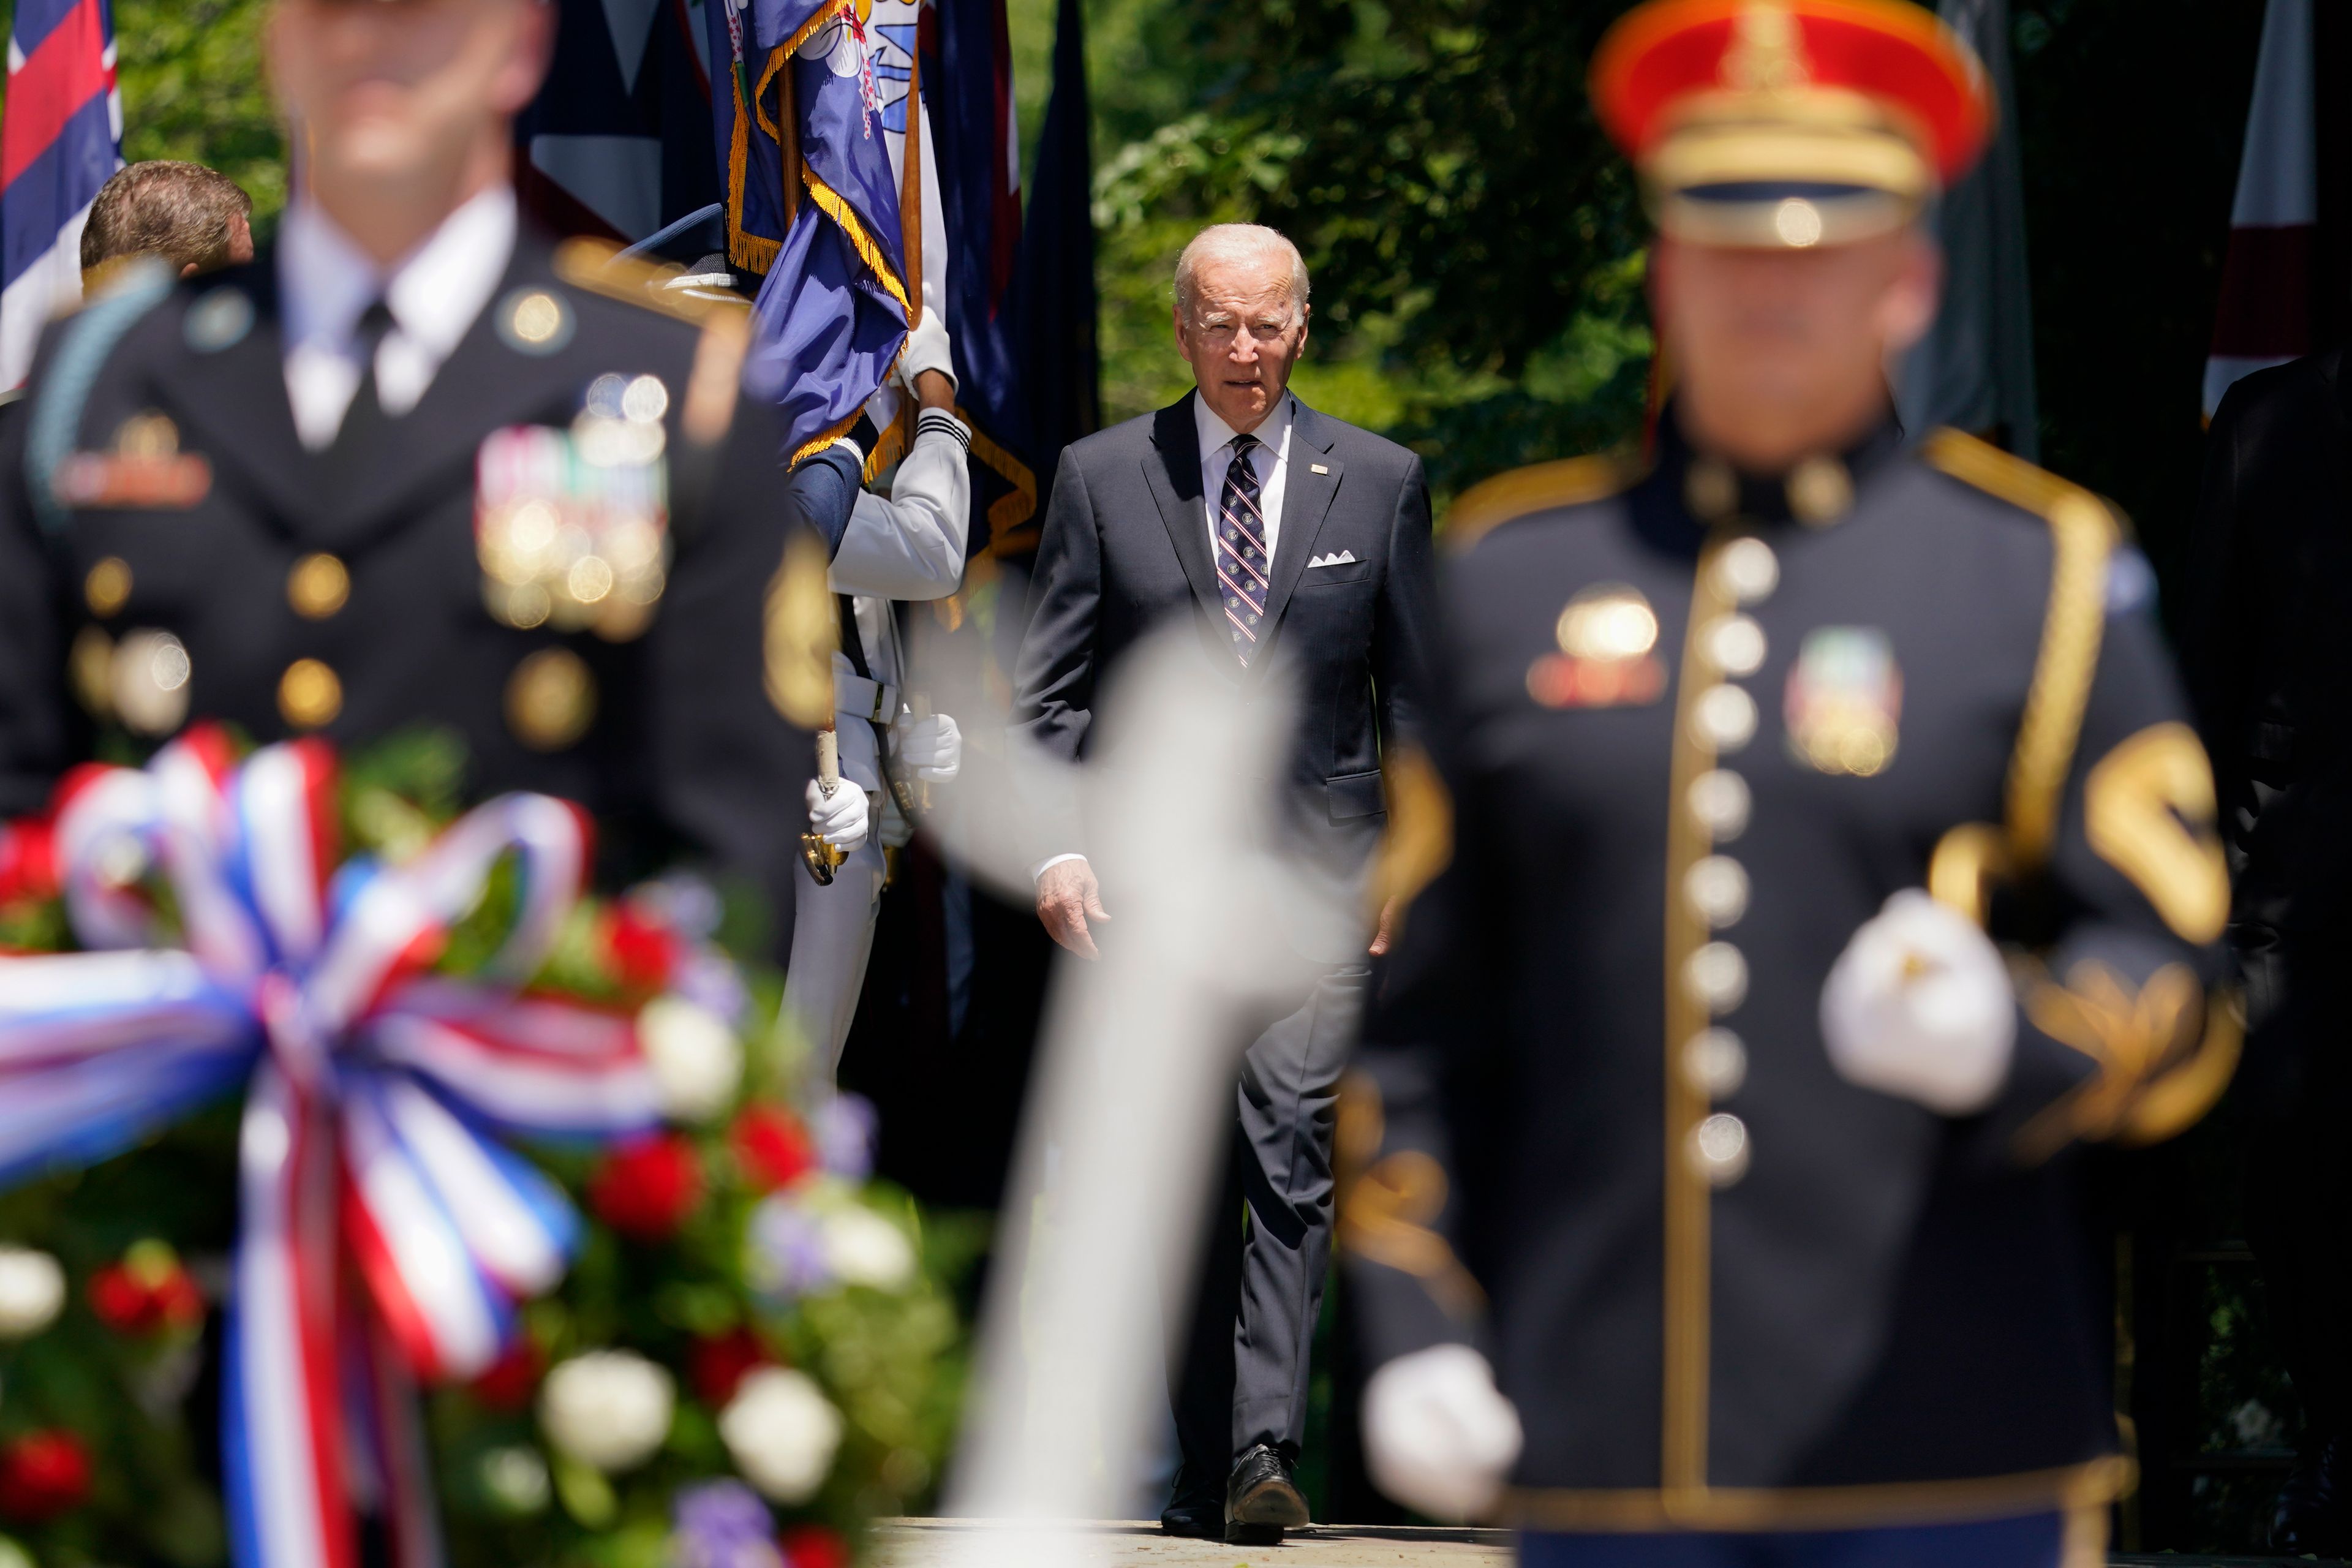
x=1318 y=468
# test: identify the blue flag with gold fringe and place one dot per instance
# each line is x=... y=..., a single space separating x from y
x=813 y=204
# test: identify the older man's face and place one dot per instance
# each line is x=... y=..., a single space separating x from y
x=386 y=88
x=1242 y=336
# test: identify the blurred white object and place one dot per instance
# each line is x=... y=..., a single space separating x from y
x=697 y=1062
x=1438 y=1436
x=781 y=1433
x=1919 y=1005
x=931 y=745
x=840 y=817
x=608 y=1409
x=861 y=1248
x=31 y=1291
x=1134 y=1083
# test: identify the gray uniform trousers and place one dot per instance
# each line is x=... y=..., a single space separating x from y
x=1238 y=1351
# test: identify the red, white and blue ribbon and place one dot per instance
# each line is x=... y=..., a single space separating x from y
x=374 y=1094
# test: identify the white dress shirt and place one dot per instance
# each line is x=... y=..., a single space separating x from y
x=434 y=293
x=1271 y=460
x=1270 y=457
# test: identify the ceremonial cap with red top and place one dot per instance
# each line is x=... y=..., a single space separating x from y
x=1790 y=122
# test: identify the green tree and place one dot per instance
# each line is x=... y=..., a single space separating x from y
x=194 y=88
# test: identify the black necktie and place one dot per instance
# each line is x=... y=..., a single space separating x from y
x=366 y=416
x=1242 y=564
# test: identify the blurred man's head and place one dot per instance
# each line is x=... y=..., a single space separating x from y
x=1787 y=148
x=404 y=108
x=194 y=218
x=1781 y=354
x=1241 y=318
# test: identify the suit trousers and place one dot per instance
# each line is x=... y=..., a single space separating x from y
x=832 y=937
x=1239 y=1370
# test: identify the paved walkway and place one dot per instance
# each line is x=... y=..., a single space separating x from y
x=926 y=1542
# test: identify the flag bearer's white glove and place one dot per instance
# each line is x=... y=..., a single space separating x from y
x=839 y=818
x=1919 y=1005
x=933 y=745
x=1439 y=1437
x=927 y=349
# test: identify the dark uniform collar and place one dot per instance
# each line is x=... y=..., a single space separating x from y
x=1818 y=491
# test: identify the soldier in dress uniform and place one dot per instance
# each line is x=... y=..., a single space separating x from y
x=1824 y=860
x=419 y=467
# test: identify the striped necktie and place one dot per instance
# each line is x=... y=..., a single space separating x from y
x=1241 y=563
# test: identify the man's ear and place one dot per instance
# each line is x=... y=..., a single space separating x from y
x=1912 y=299
x=1176 y=318
x=534 y=52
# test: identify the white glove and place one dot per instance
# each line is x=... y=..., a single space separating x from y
x=1920 y=1005
x=1438 y=1436
x=927 y=349
x=840 y=819
x=933 y=745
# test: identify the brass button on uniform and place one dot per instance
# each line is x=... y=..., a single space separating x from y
x=1735 y=644
x=108 y=586
x=1726 y=717
x=319 y=586
x=148 y=682
x=1716 y=976
x=309 y=694
x=1721 y=802
x=1820 y=491
x=1747 y=571
x=1715 y=1063
x=1719 y=1148
x=550 y=698
x=1717 y=887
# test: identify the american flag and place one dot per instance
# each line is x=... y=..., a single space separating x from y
x=60 y=140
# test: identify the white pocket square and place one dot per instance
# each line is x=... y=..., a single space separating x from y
x=1345 y=558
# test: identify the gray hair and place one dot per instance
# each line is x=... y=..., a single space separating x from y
x=1238 y=242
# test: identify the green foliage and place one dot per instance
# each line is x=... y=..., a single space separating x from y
x=194 y=88
x=1475 y=245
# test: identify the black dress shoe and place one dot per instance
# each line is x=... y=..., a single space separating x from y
x=2310 y=1516
x=1261 y=1498
x=1198 y=1509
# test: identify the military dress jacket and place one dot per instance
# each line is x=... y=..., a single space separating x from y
x=170 y=552
x=1691 y=733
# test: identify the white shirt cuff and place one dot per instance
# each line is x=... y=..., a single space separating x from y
x=1041 y=866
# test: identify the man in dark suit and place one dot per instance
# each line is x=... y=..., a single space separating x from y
x=330 y=493
x=1289 y=539
x=2269 y=670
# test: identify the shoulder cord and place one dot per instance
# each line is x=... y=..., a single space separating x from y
x=56 y=418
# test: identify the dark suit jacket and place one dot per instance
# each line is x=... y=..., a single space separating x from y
x=1126 y=545
x=2269 y=599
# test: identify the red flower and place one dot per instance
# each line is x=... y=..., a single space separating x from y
x=42 y=1475
x=641 y=953
x=148 y=1292
x=814 y=1546
x=28 y=860
x=645 y=1189
x=714 y=1366
x=773 y=1147
x=510 y=1382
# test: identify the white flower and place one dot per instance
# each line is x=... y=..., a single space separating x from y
x=31 y=1291
x=696 y=1058
x=861 y=1248
x=516 y=1479
x=782 y=1432
x=608 y=1409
